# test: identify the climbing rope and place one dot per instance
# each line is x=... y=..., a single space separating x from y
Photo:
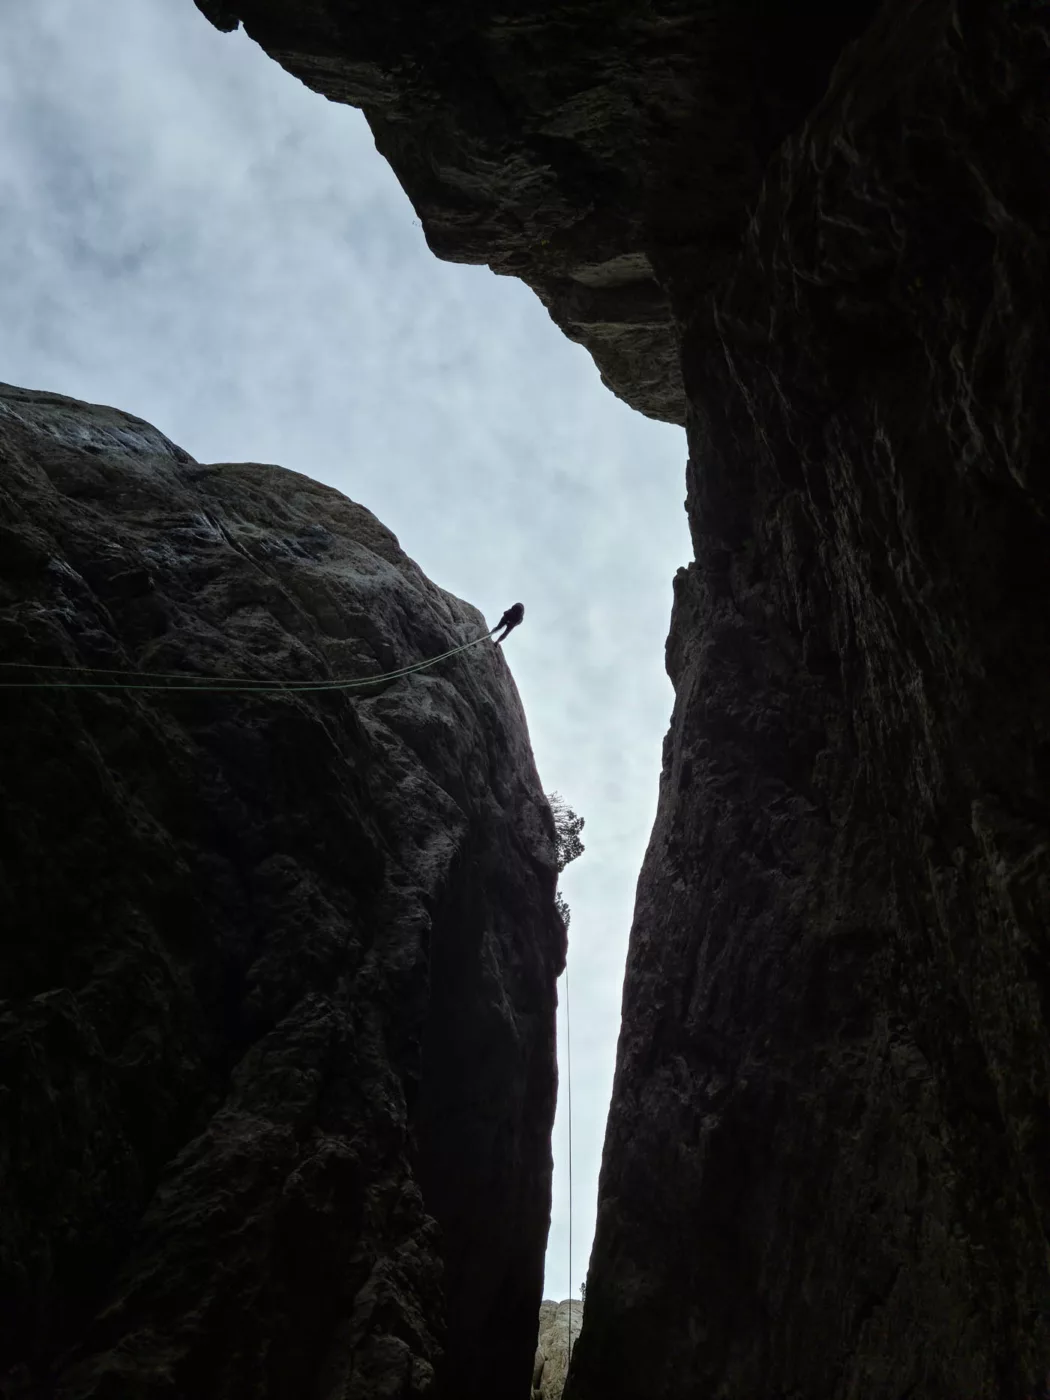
x=186 y=680
x=568 y=1086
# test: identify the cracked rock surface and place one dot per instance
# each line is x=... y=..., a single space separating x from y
x=277 y=1062
x=818 y=236
x=825 y=1173
x=602 y=150
x=559 y=1332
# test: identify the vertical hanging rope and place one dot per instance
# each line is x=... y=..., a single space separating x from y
x=568 y=1079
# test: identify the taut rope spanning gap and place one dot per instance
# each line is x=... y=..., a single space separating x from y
x=159 y=680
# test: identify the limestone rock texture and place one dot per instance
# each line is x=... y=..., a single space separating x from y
x=277 y=1028
x=560 y=1325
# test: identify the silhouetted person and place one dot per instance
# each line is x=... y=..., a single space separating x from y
x=509 y=620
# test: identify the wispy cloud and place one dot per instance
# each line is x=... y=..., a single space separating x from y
x=191 y=235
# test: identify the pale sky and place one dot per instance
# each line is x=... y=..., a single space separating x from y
x=192 y=236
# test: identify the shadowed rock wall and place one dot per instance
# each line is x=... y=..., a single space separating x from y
x=602 y=150
x=825 y=1173
x=278 y=971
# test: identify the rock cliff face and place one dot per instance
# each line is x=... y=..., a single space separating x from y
x=835 y=1051
x=826 y=1174
x=277 y=1068
x=558 y=1323
x=602 y=150
x=826 y=1165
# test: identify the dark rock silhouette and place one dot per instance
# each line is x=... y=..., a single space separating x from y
x=277 y=1069
x=826 y=1166
x=825 y=1174
x=818 y=236
x=604 y=151
x=835 y=1058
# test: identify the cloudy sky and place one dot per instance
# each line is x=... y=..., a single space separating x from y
x=192 y=236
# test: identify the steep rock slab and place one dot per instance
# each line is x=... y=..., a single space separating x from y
x=560 y=1325
x=826 y=1170
x=278 y=971
x=605 y=151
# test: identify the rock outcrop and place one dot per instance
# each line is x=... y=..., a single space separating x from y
x=825 y=1174
x=560 y=1325
x=826 y=1166
x=604 y=151
x=277 y=1058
